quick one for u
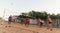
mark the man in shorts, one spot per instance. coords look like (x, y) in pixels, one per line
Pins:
(9, 20)
(49, 21)
(40, 22)
(27, 22)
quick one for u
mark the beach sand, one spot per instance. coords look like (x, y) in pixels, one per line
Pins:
(20, 28)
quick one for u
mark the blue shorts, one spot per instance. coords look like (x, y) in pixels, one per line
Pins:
(10, 20)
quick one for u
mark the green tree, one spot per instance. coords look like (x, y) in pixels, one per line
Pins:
(42, 15)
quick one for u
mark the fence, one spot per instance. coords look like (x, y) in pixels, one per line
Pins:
(55, 22)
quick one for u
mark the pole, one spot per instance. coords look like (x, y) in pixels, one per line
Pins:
(57, 23)
(3, 17)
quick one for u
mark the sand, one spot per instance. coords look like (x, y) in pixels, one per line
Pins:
(20, 28)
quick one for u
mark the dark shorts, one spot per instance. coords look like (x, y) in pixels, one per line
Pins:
(10, 20)
(41, 23)
(27, 23)
(50, 22)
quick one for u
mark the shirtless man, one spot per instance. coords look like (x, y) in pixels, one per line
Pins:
(26, 20)
(49, 21)
(40, 22)
(9, 20)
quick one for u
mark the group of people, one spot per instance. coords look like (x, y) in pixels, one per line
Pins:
(40, 22)
(25, 21)
(49, 23)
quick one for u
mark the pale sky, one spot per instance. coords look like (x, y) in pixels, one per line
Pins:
(15, 7)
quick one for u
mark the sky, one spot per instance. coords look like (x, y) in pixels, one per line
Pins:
(16, 7)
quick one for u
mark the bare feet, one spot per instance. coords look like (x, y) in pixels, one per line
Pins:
(51, 29)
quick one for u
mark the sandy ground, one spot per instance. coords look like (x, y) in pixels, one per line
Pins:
(18, 28)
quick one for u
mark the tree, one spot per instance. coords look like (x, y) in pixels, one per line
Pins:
(58, 16)
(53, 16)
(42, 15)
(38, 14)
